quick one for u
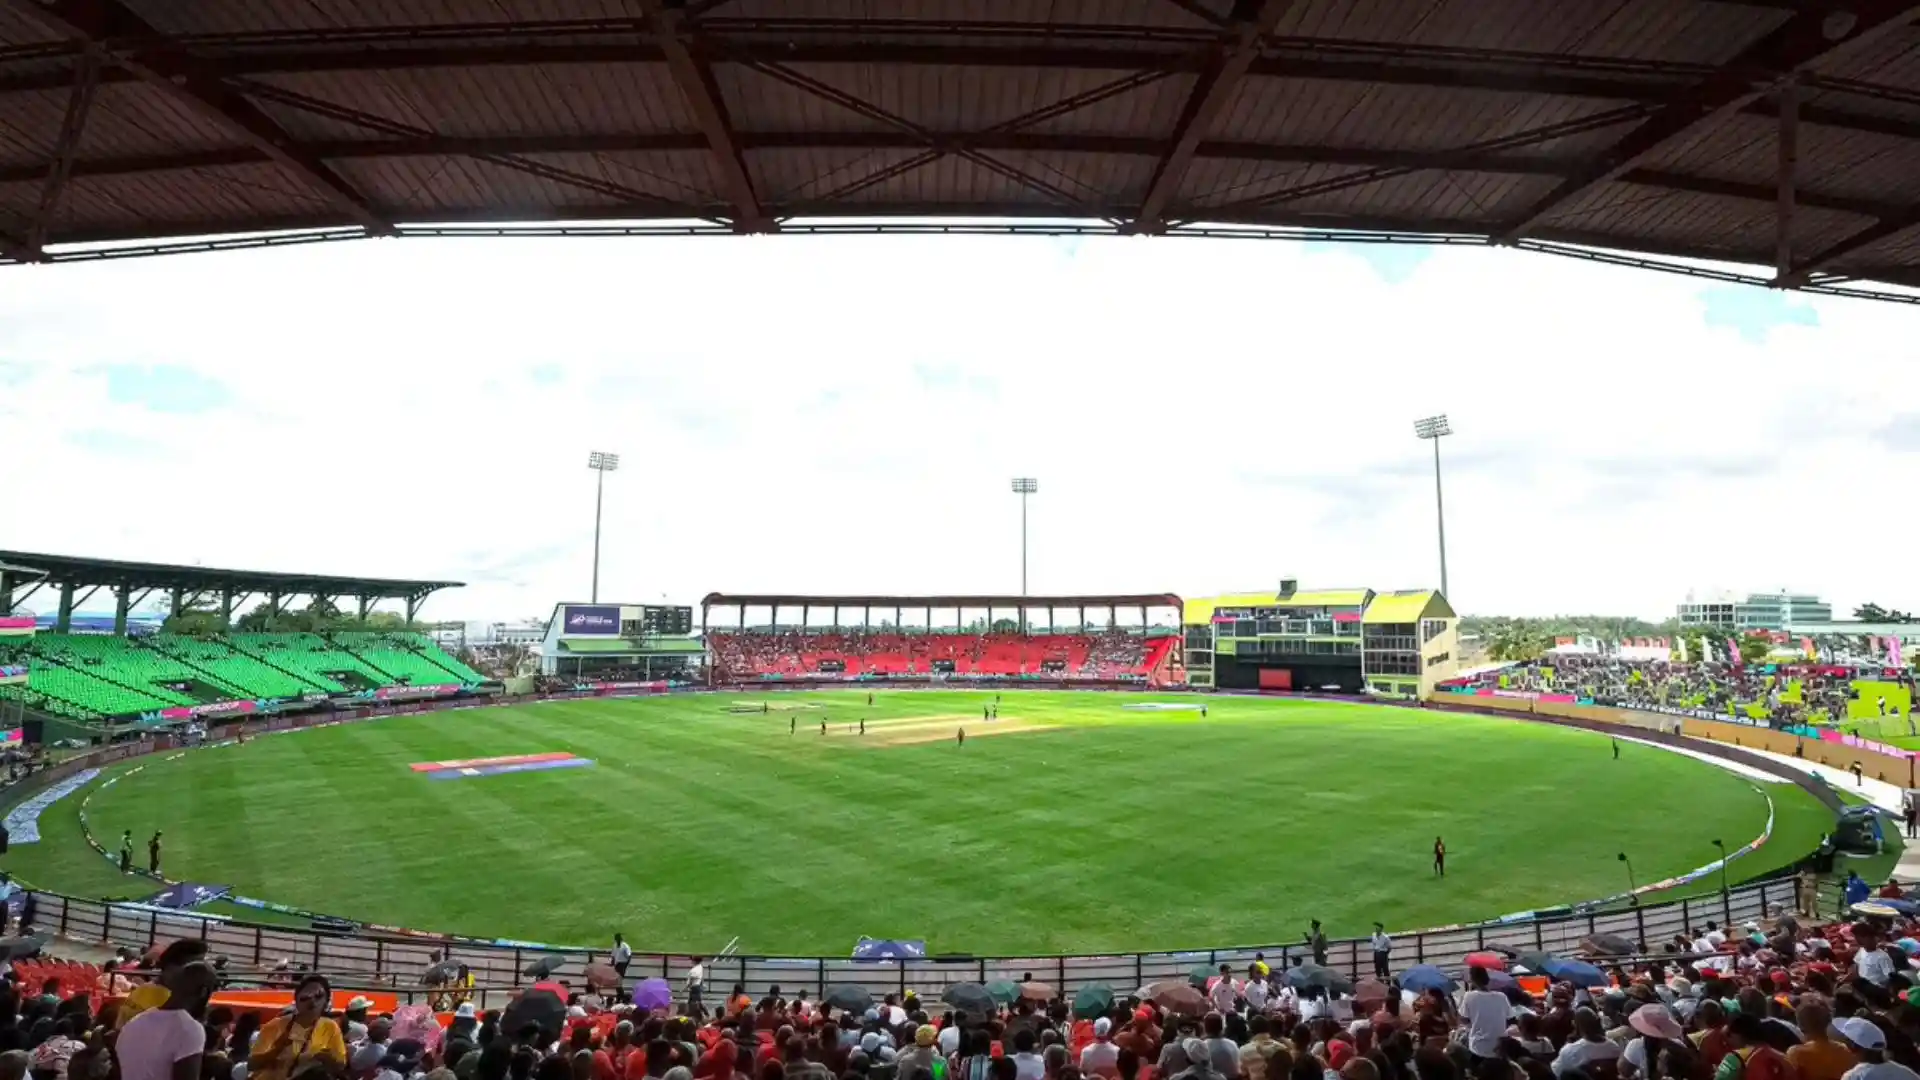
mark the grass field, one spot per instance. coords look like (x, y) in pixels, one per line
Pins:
(1099, 828)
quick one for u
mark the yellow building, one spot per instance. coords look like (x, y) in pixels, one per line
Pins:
(1396, 644)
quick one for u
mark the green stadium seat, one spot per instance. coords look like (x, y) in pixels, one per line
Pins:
(223, 663)
(410, 658)
(311, 657)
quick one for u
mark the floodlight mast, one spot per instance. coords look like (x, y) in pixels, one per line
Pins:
(601, 464)
(1023, 486)
(1433, 429)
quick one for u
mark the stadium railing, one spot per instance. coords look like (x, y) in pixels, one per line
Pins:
(392, 960)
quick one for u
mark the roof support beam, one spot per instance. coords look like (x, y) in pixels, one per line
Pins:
(181, 76)
(1887, 227)
(1788, 167)
(696, 83)
(1252, 20)
(60, 164)
(1815, 33)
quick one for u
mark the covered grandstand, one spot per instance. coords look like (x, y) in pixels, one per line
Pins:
(1398, 644)
(89, 671)
(1769, 133)
(1129, 638)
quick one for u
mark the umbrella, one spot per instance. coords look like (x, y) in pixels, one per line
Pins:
(1577, 972)
(1488, 959)
(1175, 996)
(972, 997)
(1092, 1000)
(1323, 977)
(849, 998)
(653, 994)
(1503, 983)
(24, 947)
(1908, 945)
(1876, 907)
(536, 1006)
(440, 974)
(1201, 974)
(1004, 991)
(1511, 952)
(1902, 905)
(1038, 991)
(603, 976)
(543, 967)
(1537, 961)
(1369, 990)
(1422, 978)
(1608, 945)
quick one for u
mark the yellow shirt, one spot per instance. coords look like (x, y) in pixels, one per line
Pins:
(324, 1042)
(1821, 1059)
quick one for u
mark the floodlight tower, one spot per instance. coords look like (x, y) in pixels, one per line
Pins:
(601, 464)
(1024, 486)
(1433, 429)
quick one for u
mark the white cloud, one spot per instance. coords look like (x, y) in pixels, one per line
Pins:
(821, 414)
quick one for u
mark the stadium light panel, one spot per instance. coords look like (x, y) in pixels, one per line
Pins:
(1432, 427)
(603, 462)
(1025, 485)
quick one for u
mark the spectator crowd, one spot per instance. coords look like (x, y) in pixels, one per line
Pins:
(1765, 1001)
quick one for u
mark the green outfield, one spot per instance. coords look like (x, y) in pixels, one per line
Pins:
(1068, 824)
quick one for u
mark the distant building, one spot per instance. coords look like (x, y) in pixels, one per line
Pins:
(1397, 644)
(1757, 611)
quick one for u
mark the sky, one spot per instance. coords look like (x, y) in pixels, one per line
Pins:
(844, 414)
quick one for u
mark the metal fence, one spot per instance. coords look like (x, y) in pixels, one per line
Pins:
(388, 961)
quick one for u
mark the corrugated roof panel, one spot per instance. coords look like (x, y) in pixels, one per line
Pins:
(512, 100)
(20, 28)
(1036, 12)
(1101, 181)
(1151, 109)
(1374, 116)
(1448, 196)
(760, 102)
(1832, 161)
(126, 203)
(1890, 59)
(233, 16)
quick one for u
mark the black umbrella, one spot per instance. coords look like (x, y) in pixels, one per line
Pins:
(1536, 962)
(1323, 977)
(849, 998)
(440, 974)
(972, 997)
(24, 947)
(1608, 945)
(542, 1007)
(543, 967)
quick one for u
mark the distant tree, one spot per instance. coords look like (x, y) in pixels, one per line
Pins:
(1874, 613)
(1005, 626)
(1754, 648)
(194, 617)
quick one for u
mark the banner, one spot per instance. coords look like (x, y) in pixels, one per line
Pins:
(1733, 651)
(1894, 659)
(14, 626)
(12, 673)
(580, 619)
(186, 894)
(195, 712)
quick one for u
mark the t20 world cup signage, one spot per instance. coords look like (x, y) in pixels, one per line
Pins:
(580, 619)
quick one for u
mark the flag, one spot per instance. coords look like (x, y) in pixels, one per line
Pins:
(16, 626)
(1806, 646)
(1894, 658)
(1681, 644)
(1733, 651)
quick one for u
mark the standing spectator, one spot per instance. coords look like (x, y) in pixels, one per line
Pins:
(1317, 942)
(622, 955)
(1819, 1057)
(1382, 952)
(167, 1042)
(1101, 1057)
(1870, 1043)
(1486, 1012)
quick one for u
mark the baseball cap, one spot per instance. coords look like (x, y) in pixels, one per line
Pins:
(1864, 1034)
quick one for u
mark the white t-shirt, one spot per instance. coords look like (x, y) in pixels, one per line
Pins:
(696, 975)
(1222, 994)
(1578, 1053)
(1382, 943)
(1876, 967)
(1029, 1067)
(154, 1040)
(1715, 939)
(1487, 1013)
(1884, 1070)
(1256, 994)
(950, 1040)
(622, 953)
(1100, 1056)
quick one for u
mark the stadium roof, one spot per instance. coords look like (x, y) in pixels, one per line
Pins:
(1201, 609)
(1408, 607)
(959, 601)
(86, 573)
(1777, 133)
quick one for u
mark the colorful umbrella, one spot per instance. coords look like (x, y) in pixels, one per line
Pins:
(1175, 996)
(602, 977)
(1004, 991)
(1422, 978)
(653, 994)
(1369, 990)
(1092, 1000)
(1577, 972)
(1488, 959)
(1038, 991)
